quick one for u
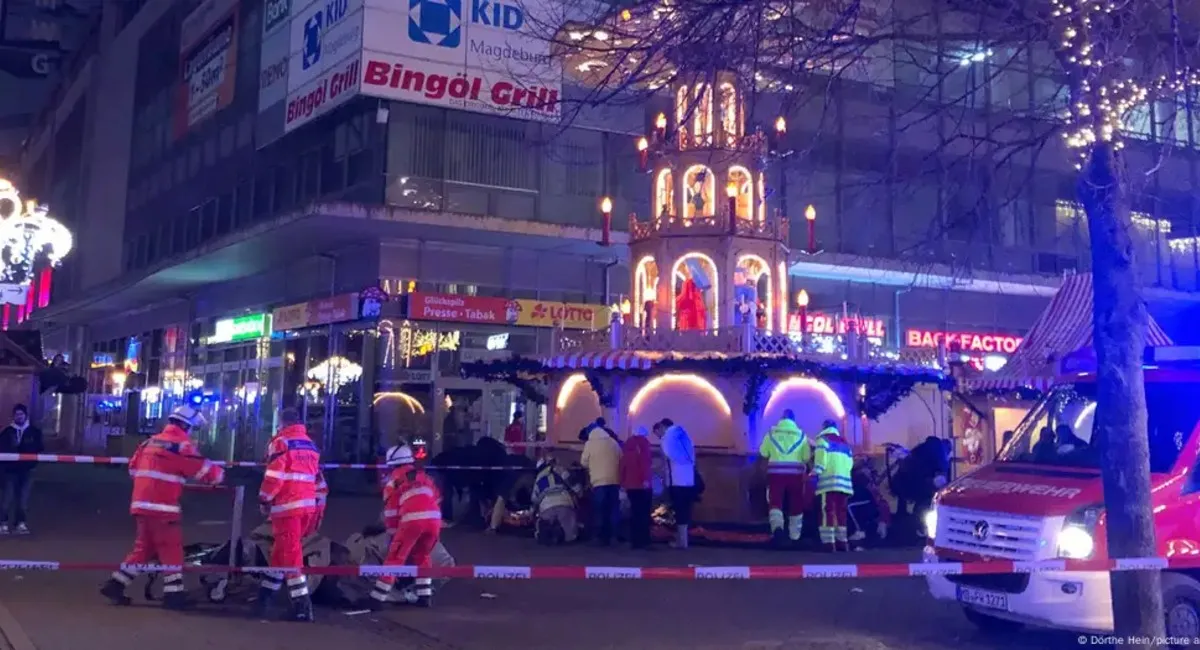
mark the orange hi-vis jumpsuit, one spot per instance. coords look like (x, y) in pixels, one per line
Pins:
(289, 488)
(412, 512)
(321, 495)
(160, 468)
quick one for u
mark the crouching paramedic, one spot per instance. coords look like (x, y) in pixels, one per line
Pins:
(288, 496)
(788, 453)
(413, 515)
(834, 466)
(160, 467)
(554, 504)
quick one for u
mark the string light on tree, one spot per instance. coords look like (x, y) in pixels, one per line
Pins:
(29, 239)
(1104, 89)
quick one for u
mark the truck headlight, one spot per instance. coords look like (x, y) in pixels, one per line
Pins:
(1075, 543)
(930, 521)
(1077, 539)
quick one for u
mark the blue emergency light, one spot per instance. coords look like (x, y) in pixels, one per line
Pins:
(198, 398)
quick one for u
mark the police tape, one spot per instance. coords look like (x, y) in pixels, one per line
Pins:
(761, 572)
(121, 460)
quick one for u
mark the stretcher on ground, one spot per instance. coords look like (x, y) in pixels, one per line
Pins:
(368, 547)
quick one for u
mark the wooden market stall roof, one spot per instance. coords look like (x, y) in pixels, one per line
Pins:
(1064, 327)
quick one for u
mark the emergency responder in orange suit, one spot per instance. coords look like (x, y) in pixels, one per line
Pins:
(412, 512)
(289, 496)
(160, 467)
(322, 496)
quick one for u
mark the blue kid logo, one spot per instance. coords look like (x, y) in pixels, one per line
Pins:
(435, 22)
(312, 41)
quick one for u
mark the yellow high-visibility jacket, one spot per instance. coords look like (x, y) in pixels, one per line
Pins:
(833, 463)
(786, 449)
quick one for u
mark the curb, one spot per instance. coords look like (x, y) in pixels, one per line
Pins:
(12, 635)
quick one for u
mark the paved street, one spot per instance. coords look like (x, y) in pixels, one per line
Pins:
(86, 522)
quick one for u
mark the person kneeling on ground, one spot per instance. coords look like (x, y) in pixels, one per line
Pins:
(554, 505)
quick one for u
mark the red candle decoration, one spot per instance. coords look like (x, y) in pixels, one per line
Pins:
(731, 194)
(810, 215)
(643, 148)
(660, 128)
(606, 207)
(802, 302)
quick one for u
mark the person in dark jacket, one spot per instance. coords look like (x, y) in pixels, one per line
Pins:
(20, 437)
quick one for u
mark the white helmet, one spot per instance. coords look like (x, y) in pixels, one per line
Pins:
(188, 416)
(399, 455)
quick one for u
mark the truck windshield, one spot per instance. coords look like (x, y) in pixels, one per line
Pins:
(1058, 430)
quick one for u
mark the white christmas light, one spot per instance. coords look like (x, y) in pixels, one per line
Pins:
(28, 236)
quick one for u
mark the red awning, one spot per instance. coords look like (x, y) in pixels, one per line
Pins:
(608, 360)
(1064, 327)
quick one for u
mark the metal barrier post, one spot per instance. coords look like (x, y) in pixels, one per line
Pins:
(235, 533)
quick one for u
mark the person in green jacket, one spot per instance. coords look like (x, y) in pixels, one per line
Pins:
(833, 464)
(788, 456)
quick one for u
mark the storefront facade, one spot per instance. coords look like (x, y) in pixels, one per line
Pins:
(368, 354)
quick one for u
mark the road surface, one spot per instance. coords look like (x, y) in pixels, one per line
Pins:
(86, 521)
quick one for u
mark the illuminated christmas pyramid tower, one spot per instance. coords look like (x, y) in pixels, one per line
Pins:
(712, 255)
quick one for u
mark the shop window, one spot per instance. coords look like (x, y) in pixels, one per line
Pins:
(228, 137)
(245, 134)
(261, 196)
(310, 175)
(333, 172)
(152, 247)
(1171, 121)
(359, 167)
(1138, 122)
(475, 142)
(224, 213)
(195, 160)
(208, 221)
(192, 228)
(210, 149)
(284, 188)
(243, 204)
(179, 233)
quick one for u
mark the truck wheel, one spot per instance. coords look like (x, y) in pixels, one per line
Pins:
(991, 624)
(1181, 605)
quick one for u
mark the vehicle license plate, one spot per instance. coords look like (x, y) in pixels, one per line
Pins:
(981, 598)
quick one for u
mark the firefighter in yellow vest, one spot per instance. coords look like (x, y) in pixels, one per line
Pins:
(788, 455)
(833, 464)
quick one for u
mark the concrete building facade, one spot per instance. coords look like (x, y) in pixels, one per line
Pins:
(201, 209)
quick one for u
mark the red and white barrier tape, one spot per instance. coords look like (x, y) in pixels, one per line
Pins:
(782, 572)
(121, 460)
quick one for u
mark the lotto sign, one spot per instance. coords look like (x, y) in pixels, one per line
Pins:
(208, 55)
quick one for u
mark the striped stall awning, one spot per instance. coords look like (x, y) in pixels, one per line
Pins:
(1064, 327)
(607, 360)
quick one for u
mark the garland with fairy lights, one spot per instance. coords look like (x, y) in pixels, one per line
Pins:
(604, 395)
(884, 385)
(526, 375)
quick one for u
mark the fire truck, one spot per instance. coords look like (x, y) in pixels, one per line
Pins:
(1041, 499)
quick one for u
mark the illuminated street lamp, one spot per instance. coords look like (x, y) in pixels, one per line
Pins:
(29, 238)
